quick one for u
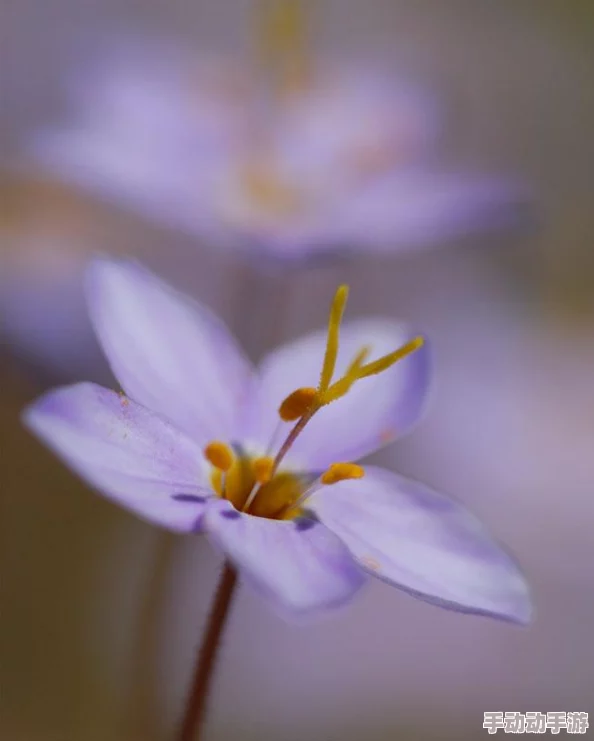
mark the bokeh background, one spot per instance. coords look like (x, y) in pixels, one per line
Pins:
(100, 613)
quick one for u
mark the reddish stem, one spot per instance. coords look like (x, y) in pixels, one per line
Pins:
(203, 673)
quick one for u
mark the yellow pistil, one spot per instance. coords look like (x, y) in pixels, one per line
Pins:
(336, 312)
(357, 369)
(343, 385)
(255, 485)
(342, 472)
(219, 455)
(377, 366)
(357, 362)
(327, 391)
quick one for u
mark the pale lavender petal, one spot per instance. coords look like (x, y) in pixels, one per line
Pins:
(424, 543)
(299, 565)
(126, 452)
(415, 209)
(352, 114)
(377, 410)
(169, 354)
(152, 130)
(159, 186)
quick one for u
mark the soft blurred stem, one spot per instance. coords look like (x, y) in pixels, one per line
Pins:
(207, 657)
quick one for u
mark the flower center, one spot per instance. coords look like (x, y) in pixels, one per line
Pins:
(277, 496)
(257, 197)
(259, 485)
(267, 193)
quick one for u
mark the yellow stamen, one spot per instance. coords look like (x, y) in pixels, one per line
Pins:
(239, 482)
(276, 497)
(219, 455)
(262, 468)
(336, 312)
(297, 404)
(342, 472)
(382, 364)
(216, 480)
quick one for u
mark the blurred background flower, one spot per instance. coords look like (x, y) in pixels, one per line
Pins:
(279, 152)
(46, 231)
(510, 431)
(274, 155)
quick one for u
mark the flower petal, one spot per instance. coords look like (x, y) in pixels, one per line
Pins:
(297, 564)
(169, 354)
(138, 137)
(425, 543)
(414, 209)
(373, 413)
(356, 120)
(128, 453)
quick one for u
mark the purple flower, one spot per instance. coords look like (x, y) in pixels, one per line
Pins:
(261, 459)
(46, 242)
(343, 162)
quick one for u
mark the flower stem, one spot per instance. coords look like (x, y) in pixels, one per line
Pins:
(207, 656)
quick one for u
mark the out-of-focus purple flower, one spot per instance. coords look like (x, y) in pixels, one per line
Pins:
(196, 445)
(45, 237)
(343, 162)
